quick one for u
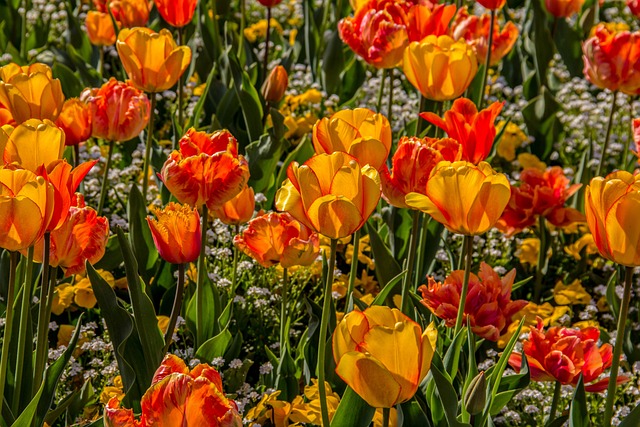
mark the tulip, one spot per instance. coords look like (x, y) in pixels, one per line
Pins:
(426, 19)
(612, 60)
(439, 67)
(100, 28)
(32, 144)
(474, 130)
(563, 8)
(153, 61)
(412, 164)
(361, 133)
(275, 85)
(25, 208)
(330, 193)
(488, 308)
(269, 3)
(30, 92)
(206, 170)
(563, 354)
(130, 13)
(75, 121)
(176, 233)
(119, 111)
(492, 4)
(361, 348)
(277, 238)
(239, 209)
(634, 7)
(177, 13)
(465, 198)
(179, 396)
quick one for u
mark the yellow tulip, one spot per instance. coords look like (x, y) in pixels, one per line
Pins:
(439, 67)
(382, 354)
(330, 193)
(612, 205)
(465, 198)
(32, 144)
(153, 61)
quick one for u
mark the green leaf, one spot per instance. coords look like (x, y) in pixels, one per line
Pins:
(286, 379)
(413, 414)
(578, 412)
(387, 266)
(510, 386)
(569, 43)
(452, 356)
(333, 64)
(112, 258)
(247, 97)
(214, 347)
(612, 298)
(71, 84)
(540, 117)
(386, 292)
(263, 157)
(445, 394)
(633, 419)
(144, 249)
(197, 111)
(353, 411)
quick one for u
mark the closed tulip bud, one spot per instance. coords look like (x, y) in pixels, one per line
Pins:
(330, 193)
(275, 85)
(25, 208)
(177, 13)
(119, 111)
(611, 205)
(360, 132)
(362, 344)
(239, 209)
(465, 198)
(563, 8)
(439, 67)
(32, 144)
(476, 395)
(176, 233)
(100, 28)
(75, 121)
(153, 61)
(131, 13)
(30, 92)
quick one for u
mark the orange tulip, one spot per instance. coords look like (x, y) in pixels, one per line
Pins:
(488, 309)
(563, 354)
(492, 4)
(32, 144)
(25, 208)
(635, 125)
(119, 111)
(540, 193)
(177, 13)
(439, 67)
(275, 85)
(30, 92)
(563, 8)
(82, 237)
(362, 348)
(75, 121)
(269, 3)
(277, 238)
(131, 13)
(474, 130)
(361, 133)
(100, 28)
(611, 205)
(239, 209)
(465, 198)
(475, 30)
(426, 19)
(153, 61)
(330, 193)
(634, 7)
(206, 170)
(176, 233)
(412, 164)
(612, 59)
(179, 397)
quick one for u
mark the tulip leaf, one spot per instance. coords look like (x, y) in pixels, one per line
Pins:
(112, 258)
(569, 43)
(445, 395)
(612, 298)
(71, 85)
(211, 311)
(198, 109)
(353, 411)
(214, 347)
(333, 64)
(521, 283)
(389, 288)
(578, 412)
(633, 419)
(452, 356)
(247, 97)
(433, 236)
(386, 265)
(263, 157)
(412, 414)
(286, 379)
(35, 412)
(510, 386)
(146, 254)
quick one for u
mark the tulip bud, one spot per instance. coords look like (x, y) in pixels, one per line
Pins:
(275, 85)
(475, 397)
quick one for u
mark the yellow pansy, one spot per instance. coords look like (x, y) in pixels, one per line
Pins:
(571, 294)
(512, 138)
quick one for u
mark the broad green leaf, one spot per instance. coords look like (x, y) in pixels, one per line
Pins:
(387, 266)
(446, 394)
(353, 411)
(578, 412)
(286, 379)
(214, 347)
(388, 290)
(142, 244)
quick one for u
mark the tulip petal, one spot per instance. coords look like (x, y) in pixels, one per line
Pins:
(334, 216)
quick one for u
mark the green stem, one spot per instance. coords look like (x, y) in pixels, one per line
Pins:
(101, 63)
(76, 155)
(147, 150)
(234, 274)
(105, 178)
(465, 284)
(180, 84)
(390, 99)
(487, 62)
(413, 244)
(354, 271)
(22, 334)
(23, 32)
(385, 417)
(8, 326)
(202, 270)
(324, 325)
(243, 24)
(422, 123)
(542, 260)
(556, 400)
(283, 312)
(617, 350)
(421, 251)
(607, 136)
(42, 343)
(265, 65)
(175, 310)
(380, 92)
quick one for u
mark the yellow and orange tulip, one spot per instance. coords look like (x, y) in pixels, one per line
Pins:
(32, 144)
(131, 13)
(176, 233)
(275, 85)
(100, 28)
(75, 121)
(239, 209)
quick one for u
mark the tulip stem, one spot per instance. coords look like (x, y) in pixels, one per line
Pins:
(101, 63)
(76, 155)
(465, 284)
(380, 92)
(266, 46)
(420, 126)
(175, 310)
(607, 136)
(390, 99)
(354, 271)
(23, 35)
(42, 342)
(385, 417)
(421, 250)
(324, 325)
(554, 403)
(487, 62)
(542, 260)
(27, 292)
(283, 312)
(413, 244)
(617, 350)
(180, 84)
(234, 274)
(200, 287)
(8, 326)
(105, 178)
(147, 150)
